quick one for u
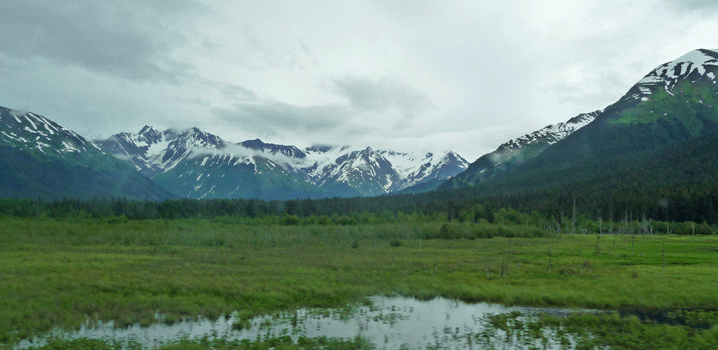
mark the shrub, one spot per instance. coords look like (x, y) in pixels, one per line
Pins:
(290, 220)
(443, 232)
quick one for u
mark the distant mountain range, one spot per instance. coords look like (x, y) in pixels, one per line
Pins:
(668, 114)
(195, 164)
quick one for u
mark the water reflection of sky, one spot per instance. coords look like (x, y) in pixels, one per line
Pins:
(390, 323)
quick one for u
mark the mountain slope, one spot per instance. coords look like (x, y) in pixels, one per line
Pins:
(673, 103)
(226, 175)
(40, 158)
(517, 151)
(672, 106)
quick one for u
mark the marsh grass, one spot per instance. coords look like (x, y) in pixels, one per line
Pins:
(63, 273)
(276, 343)
(610, 330)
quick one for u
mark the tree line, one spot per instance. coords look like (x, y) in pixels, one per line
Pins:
(579, 204)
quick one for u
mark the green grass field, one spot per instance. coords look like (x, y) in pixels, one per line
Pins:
(61, 273)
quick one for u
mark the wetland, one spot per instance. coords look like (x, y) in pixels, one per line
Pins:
(66, 275)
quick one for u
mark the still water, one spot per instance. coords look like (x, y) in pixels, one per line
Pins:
(388, 323)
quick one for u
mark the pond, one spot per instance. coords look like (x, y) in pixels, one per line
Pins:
(387, 322)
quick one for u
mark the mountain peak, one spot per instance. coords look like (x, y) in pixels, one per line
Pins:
(146, 129)
(194, 138)
(319, 148)
(695, 65)
(30, 130)
(450, 155)
(672, 107)
(149, 135)
(694, 62)
(253, 144)
(700, 56)
(259, 145)
(44, 159)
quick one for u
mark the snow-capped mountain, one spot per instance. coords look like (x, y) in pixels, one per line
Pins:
(692, 75)
(696, 65)
(549, 134)
(679, 95)
(40, 158)
(669, 110)
(196, 164)
(373, 172)
(517, 151)
(350, 171)
(419, 167)
(32, 131)
(152, 151)
(270, 148)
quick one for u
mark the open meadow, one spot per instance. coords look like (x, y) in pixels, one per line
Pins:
(62, 273)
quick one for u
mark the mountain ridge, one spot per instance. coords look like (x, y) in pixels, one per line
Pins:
(672, 105)
(314, 172)
(42, 159)
(517, 151)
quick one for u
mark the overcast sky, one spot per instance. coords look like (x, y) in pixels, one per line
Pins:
(392, 74)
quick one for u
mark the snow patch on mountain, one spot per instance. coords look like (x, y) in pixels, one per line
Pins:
(390, 170)
(694, 65)
(33, 131)
(517, 151)
(551, 133)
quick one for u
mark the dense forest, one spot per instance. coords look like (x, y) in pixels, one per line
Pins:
(581, 205)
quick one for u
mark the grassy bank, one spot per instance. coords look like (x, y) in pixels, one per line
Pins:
(62, 273)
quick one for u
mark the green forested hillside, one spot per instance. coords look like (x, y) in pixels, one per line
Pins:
(652, 154)
(24, 175)
(41, 159)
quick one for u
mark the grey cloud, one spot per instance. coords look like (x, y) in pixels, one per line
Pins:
(260, 56)
(695, 4)
(230, 91)
(304, 47)
(132, 39)
(366, 95)
(408, 9)
(239, 151)
(269, 118)
(363, 94)
(238, 93)
(290, 124)
(198, 101)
